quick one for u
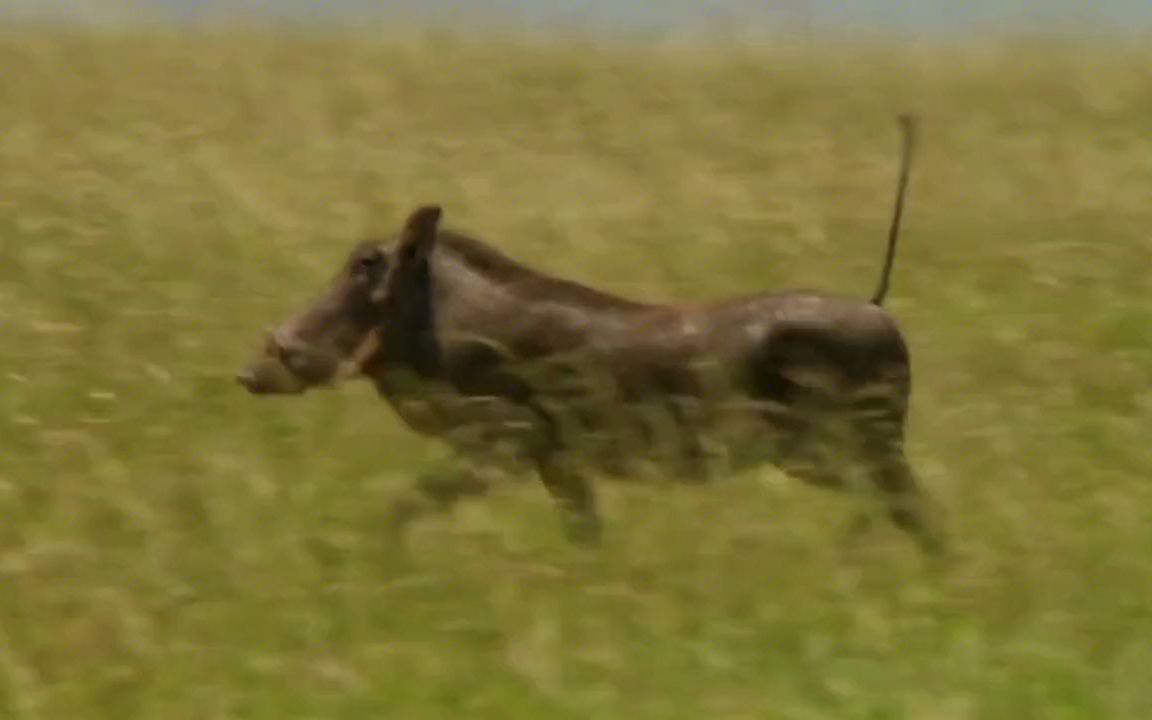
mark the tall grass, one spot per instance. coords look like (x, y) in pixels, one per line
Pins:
(173, 548)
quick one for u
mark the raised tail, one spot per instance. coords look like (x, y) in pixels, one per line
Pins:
(908, 146)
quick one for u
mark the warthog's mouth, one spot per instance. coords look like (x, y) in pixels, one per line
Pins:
(274, 376)
(268, 377)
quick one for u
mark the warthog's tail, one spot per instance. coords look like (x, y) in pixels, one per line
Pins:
(908, 145)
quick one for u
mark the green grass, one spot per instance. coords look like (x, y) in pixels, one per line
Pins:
(171, 547)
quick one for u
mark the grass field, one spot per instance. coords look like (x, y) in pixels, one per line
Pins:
(171, 547)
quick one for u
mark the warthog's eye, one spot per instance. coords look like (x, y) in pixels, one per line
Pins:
(367, 263)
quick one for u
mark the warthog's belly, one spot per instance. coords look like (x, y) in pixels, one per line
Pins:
(619, 429)
(676, 439)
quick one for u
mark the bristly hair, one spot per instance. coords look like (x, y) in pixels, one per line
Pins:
(502, 269)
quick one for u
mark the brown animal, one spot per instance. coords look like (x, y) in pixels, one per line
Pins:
(520, 370)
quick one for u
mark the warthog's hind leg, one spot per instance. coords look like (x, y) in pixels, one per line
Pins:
(907, 505)
(890, 475)
(870, 459)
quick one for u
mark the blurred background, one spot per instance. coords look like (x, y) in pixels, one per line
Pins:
(927, 16)
(176, 176)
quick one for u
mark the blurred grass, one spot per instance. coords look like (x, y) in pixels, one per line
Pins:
(171, 547)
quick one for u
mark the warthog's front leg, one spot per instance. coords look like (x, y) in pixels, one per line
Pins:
(436, 491)
(575, 499)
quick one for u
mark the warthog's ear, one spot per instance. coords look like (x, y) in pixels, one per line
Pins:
(417, 239)
(419, 233)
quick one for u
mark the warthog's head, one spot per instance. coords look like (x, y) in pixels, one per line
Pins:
(333, 336)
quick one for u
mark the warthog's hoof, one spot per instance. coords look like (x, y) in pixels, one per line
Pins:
(584, 531)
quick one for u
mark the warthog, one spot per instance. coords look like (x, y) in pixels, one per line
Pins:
(518, 369)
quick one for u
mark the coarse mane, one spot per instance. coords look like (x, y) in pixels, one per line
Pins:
(503, 270)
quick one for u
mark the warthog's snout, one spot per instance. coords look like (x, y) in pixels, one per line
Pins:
(250, 382)
(276, 371)
(268, 377)
(258, 383)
